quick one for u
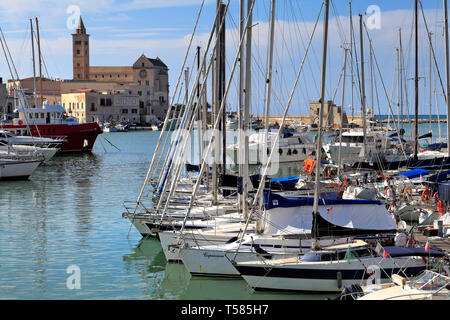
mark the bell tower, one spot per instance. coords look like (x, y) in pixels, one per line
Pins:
(80, 44)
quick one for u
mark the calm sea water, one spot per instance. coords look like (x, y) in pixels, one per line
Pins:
(69, 214)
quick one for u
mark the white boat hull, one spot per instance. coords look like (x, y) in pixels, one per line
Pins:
(324, 276)
(16, 169)
(215, 261)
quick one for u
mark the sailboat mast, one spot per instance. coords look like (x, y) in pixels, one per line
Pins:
(221, 80)
(351, 56)
(214, 112)
(447, 68)
(248, 99)
(315, 243)
(199, 110)
(34, 63)
(430, 82)
(363, 85)
(400, 52)
(416, 80)
(241, 195)
(342, 113)
(268, 90)
(399, 88)
(40, 63)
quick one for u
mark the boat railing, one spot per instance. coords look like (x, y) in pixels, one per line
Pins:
(428, 295)
(58, 138)
(133, 207)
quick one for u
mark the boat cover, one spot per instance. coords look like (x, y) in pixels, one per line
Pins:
(336, 216)
(406, 252)
(415, 173)
(443, 176)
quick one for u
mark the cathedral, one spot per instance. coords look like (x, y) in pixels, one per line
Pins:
(147, 78)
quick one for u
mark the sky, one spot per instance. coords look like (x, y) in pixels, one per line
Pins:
(121, 30)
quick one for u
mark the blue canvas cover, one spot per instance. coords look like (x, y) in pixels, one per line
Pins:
(415, 173)
(409, 252)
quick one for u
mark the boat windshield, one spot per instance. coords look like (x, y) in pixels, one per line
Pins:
(336, 255)
(431, 281)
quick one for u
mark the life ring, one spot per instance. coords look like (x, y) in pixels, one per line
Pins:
(387, 190)
(436, 197)
(407, 190)
(20, 122)
(407, 193)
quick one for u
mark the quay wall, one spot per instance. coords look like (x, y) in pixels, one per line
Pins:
(307, 119)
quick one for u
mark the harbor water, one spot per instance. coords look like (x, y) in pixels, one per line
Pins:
(68, 216)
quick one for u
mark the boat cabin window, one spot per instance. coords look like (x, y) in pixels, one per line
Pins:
(339, 255)
(310, 257)
(42, 116)
(316, 257)
(366, 252)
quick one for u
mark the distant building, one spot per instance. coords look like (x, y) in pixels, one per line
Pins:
(331, 114)
(92, 106)
(51, 90)
(147, 78)
(6, 102)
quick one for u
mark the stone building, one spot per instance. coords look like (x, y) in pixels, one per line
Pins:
(331, 114)
(7, 102)
(147, 78)
(92, 106)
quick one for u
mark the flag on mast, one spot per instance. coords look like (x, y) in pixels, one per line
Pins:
(381, 251)
(427, 246)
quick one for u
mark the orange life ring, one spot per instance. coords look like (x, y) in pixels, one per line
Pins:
(436, 196)
(386, 190)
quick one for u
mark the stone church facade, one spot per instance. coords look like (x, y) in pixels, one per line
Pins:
(147, 78)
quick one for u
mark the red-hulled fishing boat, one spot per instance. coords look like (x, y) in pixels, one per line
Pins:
(51, 122)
